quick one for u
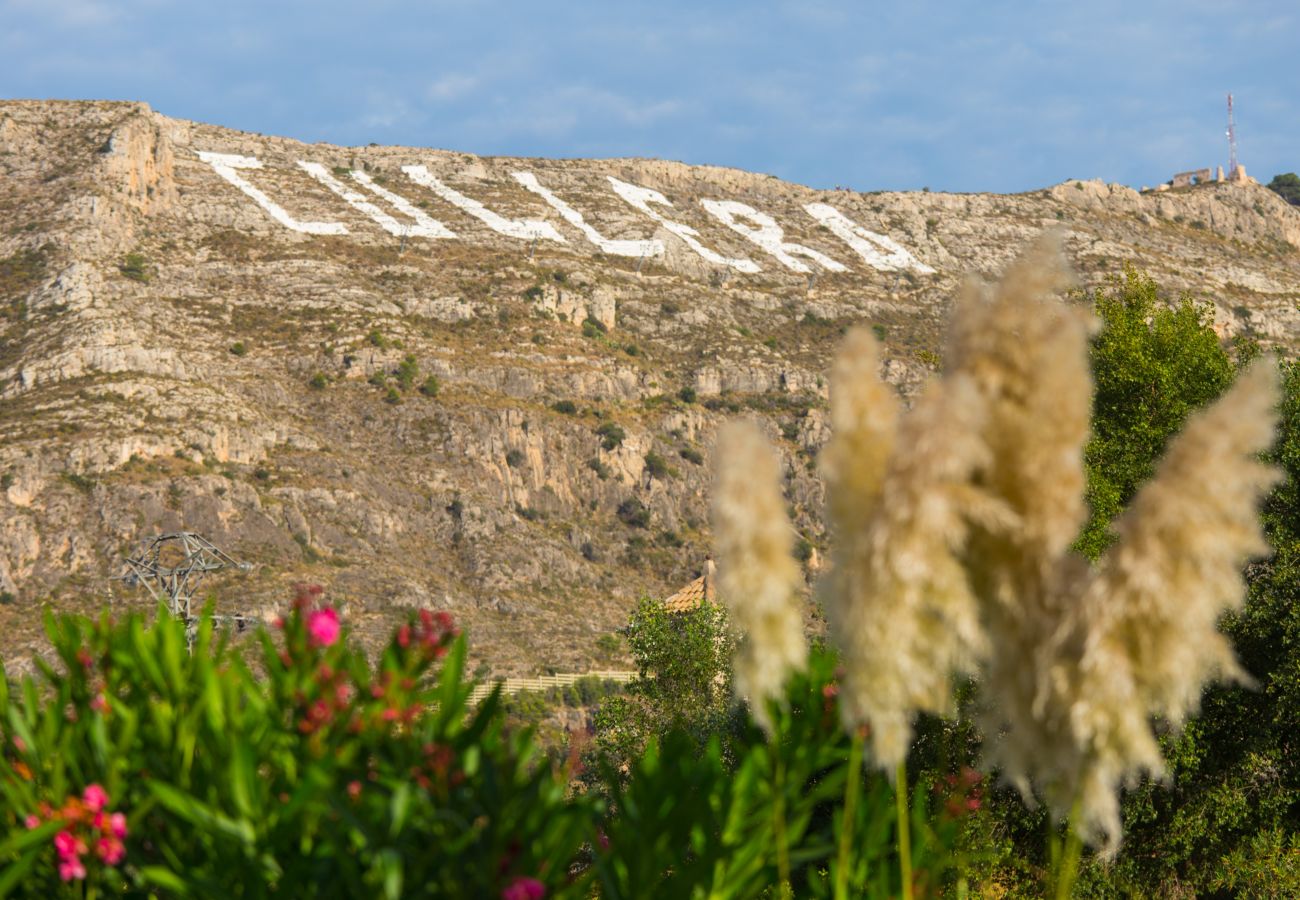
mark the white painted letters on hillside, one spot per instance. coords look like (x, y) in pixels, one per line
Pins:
(573, 217)
(768, 235)
(524, 229)
(641, 198)
(225, 164)
(877, 250)
(423, 227)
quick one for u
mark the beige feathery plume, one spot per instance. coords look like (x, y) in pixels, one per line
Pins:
(1027, 354)
(897, 598)
(864, 418)
(1150, 614)
(758, 578)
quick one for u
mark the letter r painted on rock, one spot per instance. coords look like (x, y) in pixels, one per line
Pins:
(225, 164)
(640, 198)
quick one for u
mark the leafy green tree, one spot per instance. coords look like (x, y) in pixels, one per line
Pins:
(683, 661)
(1229, 820)
(1153, 365)
(1287, 187)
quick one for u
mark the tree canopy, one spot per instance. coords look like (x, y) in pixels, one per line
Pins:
(1287, 186)
(1153, 364)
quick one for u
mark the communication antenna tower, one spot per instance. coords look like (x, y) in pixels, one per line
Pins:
(171, 566)
(1232, 140)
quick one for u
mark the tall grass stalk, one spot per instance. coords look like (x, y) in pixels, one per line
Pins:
(1068, 871)
(782, 838)
(904, 830)
(852, 784)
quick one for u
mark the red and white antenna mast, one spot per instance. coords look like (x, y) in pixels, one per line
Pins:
(1232, 140)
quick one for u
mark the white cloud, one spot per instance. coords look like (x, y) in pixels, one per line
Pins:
(452, 86)
(70, 13)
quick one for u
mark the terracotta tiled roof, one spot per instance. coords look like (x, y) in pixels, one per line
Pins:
(695, 593)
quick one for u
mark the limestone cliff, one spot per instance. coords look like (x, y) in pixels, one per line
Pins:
(180, 354)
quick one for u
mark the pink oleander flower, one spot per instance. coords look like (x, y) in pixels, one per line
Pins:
(71, 867)
(67, 845)
(323, 626)
(117, 825)
(32, 821)
(95, 798)
(110, 850)
(524, 889)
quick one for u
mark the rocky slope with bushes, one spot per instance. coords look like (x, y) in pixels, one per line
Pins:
(514, 423)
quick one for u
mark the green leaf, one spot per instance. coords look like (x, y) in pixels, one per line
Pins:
(165, 878)
(390, 861)
(398, 808)
(196, 812)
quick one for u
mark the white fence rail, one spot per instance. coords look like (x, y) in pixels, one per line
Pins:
(542, 682)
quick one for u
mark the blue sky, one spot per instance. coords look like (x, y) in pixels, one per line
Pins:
(989, 96)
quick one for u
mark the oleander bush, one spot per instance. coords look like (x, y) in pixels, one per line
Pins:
(297, 769)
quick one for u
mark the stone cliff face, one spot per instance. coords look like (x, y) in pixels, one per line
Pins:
(425, 378)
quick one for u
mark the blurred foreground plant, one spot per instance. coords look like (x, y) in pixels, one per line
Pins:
(953, 528)
(326, 777)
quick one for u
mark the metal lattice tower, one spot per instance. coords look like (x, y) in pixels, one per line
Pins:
(1232, 140)
(171, 567)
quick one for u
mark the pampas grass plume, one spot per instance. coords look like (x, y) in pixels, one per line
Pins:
(758, 578)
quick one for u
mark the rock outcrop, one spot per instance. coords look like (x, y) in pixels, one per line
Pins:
(422, 377)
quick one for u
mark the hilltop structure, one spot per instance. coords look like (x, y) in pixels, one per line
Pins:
(1236, 171)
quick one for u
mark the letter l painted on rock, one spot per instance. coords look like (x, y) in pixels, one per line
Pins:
(225, 164)
(524, 229)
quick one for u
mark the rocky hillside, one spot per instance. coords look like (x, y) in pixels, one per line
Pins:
(426, 378)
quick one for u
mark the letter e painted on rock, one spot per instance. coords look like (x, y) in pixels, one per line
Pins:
(574, 218)
(876, 250)
(767, 235)
(524, 229)
(225, 164)
(641, 198)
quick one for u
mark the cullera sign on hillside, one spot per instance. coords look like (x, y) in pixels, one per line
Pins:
(876, 250)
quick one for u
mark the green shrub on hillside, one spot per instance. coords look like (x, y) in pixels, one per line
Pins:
(135, 266)
(611, 435)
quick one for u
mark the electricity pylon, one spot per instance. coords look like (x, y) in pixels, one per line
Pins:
(171, 566)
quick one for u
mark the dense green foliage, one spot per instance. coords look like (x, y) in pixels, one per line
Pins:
(1287, 186)
(327, 776)
(1152, 366)
(763, 812)
(1228, 820)
(325, 771)
(1231, 820)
